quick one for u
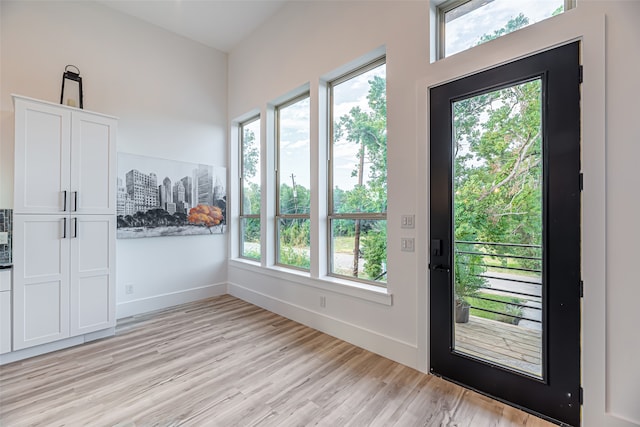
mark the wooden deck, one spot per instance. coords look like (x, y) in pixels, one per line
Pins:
(507, 345)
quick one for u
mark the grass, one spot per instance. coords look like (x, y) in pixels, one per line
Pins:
(343, 244)
(504, 306)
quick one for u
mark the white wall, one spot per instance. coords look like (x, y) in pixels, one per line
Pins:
(306, 40)
(623, 210)
(170, 96)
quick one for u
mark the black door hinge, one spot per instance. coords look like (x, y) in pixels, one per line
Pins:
(581, 289)
(581, 178)
(581, 396)
(580, 74)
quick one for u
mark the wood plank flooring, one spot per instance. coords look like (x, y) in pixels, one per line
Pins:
(225, 362)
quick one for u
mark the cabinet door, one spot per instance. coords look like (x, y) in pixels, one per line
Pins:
(93, 164)
(40, 279)
(92, 273)
(42, 135)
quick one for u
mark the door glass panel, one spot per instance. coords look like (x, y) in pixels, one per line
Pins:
(498, 205)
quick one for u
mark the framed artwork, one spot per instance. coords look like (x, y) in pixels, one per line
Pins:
(159, 197)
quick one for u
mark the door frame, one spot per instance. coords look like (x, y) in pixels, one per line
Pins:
(589, 27)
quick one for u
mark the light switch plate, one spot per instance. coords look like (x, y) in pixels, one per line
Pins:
(407, 221)
(4, 237)
(407, 244)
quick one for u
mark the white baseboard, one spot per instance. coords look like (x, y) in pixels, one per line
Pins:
(157, 302)
(26, 353)
(385, 346)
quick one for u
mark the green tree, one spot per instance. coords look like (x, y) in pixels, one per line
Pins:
(250, 154)
(367, 129)
(498, 171)
(294, 232)
(294, 200)
(250, 190)
(375, 251)
(513, 24)
(498, 175)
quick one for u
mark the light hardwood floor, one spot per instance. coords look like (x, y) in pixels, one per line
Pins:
(224, 362)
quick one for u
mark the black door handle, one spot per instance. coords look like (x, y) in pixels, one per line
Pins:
(440, 267)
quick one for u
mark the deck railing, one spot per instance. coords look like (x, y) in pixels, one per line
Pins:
(507, 269)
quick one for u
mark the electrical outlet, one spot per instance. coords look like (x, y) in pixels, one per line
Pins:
(128, 289)
(4, 238)
(407, 244)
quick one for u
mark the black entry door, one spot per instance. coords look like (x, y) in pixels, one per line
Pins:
(505, 233)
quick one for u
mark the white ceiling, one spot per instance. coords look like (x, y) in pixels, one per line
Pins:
(220, 24)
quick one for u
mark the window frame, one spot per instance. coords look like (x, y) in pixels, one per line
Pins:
(279, 215)
(242, 215)
(331, 214)
(447, 6)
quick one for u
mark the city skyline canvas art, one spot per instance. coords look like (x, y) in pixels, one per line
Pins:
(159, 197)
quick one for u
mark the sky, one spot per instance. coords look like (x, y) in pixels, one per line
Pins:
(464, 32)
(295, 143)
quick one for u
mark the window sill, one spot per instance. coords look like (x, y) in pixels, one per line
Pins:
(336, 285)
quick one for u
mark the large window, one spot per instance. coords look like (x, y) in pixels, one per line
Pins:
(358, 175)
(293, 183)
(250, 189)
(467, 23)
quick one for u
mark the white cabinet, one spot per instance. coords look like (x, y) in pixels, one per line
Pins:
(64, 222)
(5, 311)
(65, 159)
(64, 277)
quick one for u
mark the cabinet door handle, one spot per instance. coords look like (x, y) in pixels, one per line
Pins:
(75, 201)
(75, 228)
(64, 227)
(64, 203)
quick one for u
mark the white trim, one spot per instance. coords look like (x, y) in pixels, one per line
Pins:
(157, 302)
(351, 66)
(389, 347)
(53, 104)
(613, 420)
(354, 289)
(54, 346)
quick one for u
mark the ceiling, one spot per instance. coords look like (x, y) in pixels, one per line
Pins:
(220, 24)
